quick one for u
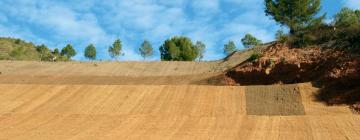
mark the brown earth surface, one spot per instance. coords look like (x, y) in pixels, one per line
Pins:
(272, 100)
(335, 71)
(117, 73)
(160, 100)
(162, 112)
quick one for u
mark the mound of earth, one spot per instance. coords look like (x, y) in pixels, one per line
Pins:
(335, 71)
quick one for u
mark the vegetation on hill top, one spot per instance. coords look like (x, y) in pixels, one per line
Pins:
(294, 14)
(90, 52)
(308, 30)
(250, 41)
(115, 49)
(300, 17)
(17, 49)
(178, 49)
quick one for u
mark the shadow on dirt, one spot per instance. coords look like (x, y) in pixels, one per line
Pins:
(345, 90)
(338, 77)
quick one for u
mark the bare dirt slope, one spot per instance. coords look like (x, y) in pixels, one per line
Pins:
(131, 69)
(116, 73)
(159, 100)
(161, 112)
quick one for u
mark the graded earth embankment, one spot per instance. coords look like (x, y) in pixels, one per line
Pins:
(159, 100)
(33, 111)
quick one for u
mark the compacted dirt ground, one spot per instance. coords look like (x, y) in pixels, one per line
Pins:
(167, 112)
(159, 100)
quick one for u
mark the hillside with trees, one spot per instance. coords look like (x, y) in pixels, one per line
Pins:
(302, 85)
(17, 49)
(325, 54)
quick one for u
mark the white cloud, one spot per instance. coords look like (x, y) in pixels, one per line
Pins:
(63, 24)
(100, 22)
(206, 7)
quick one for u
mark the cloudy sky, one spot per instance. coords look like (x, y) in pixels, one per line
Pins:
(81, 22)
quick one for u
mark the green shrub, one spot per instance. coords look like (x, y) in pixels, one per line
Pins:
(178, 49)
(17, 41)
(302, 40)
(17, 52)
(281, 37)
(250, 41)
(255, 56)
(347, 17)
(349, 38)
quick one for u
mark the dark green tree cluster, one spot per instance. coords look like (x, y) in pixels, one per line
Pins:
(46, 54)
(347, 17)
(347, 29)
(295, 14)
(250, 41)
(178, 49)
(307, 29)
(90, 52)
(68, 51)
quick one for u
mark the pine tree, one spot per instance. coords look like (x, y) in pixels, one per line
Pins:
(146, 49)
(115, 49)
(178, 49)
(296, 14)
(68, 51)
(250, 41)
(229, 48)
(90, 52)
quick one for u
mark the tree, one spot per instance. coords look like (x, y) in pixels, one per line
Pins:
(296, 14)
(115, 49)
(42, 49)
(90, 52)
(56, 52)
(201, 49)
(250, 41)
(229, 48)
(68, 51)
(347, 17)
(178, 49)
(281, 36)
(44, 52)
(146, 50)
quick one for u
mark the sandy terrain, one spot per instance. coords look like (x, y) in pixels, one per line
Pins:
(116, 73)
(162, 112)
(158, 100)
(129, 69)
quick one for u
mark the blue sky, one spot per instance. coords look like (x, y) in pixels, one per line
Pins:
(81, 22)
